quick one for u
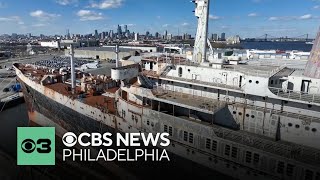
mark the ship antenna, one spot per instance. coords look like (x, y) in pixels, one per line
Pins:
(73, 79)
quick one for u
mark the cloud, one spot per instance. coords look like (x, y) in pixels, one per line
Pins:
(252, 15)
(165, 25)
(66, 2)
(306, 16)
(288, 18)
(43, 16)
(87, 15)
(185, 24)
(107, 4)
(39, 25)
(15, 19)
(316, 7)
(212, 17)
(129, 25)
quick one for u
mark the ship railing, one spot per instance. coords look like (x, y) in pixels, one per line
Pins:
(216, 84)
(295, 95)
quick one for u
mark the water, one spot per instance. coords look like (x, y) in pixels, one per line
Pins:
(287, 46)
(10, 119)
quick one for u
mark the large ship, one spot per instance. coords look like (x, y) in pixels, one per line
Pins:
(249, 121)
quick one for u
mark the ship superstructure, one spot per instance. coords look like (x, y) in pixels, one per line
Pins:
(248, 121)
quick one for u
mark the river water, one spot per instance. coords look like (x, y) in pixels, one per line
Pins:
(300, 46)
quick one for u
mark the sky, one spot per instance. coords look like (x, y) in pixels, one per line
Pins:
(247, 18)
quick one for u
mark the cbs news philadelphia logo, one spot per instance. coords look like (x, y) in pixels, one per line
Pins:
(36, 146)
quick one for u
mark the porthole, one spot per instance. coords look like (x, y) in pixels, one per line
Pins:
(257, 82)
(307, 128)
(314, 130)
(188, 70)
(264, 98)
(309, 106)
(250, 81)
(289, 124)
(252, 116)
(247, 115)
(240, 113)
(234, 112)
(297, 126)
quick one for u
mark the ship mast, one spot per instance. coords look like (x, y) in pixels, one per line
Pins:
(200, 45)
(73, 79)
(117, 55)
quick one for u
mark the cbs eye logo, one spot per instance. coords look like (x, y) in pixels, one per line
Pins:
(69, 139)
(42, 146)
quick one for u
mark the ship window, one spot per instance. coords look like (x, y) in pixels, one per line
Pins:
(257, 82)
(170, 131)
(190, 85)
(289, 124)
(205, 88)
(248, 156)
(252, 116)
(227, 150)
(307, 128)
(297, 125)
(234, 112)
(280, 167)
(165, 128)
(314, 130)
(240, 113)
(276, 81)
(132, 117)
(290, 169)
(309, 106)
(208, 143)
(185, 136)
(180, 72)
(308, 175)
(250, 81)
(188, 70)
(256, 158)
(234, 152)
(148, 123)
(214, 145)
(271, 82)
(136, 118)
(247, 115)
(190, 137)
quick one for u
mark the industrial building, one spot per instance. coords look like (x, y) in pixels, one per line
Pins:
(103, 53)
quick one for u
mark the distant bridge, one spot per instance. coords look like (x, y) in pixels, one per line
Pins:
(268, 38)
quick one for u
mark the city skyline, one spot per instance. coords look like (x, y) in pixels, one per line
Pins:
(247, 18)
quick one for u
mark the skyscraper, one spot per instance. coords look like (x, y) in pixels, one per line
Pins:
(223, 36)
(214, 37)
(96, 35)
(165, 34)
(119, 32)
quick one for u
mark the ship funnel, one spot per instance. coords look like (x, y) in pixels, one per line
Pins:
(200, 45)
(73, 79)
(313, 66)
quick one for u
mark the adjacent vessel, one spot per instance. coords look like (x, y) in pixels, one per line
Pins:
(249, 121)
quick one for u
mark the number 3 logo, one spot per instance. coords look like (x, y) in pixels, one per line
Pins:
(28, 145)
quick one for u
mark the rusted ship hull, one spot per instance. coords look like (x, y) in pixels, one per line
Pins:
(43, 111)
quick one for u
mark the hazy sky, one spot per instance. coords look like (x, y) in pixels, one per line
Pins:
(248, 18)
